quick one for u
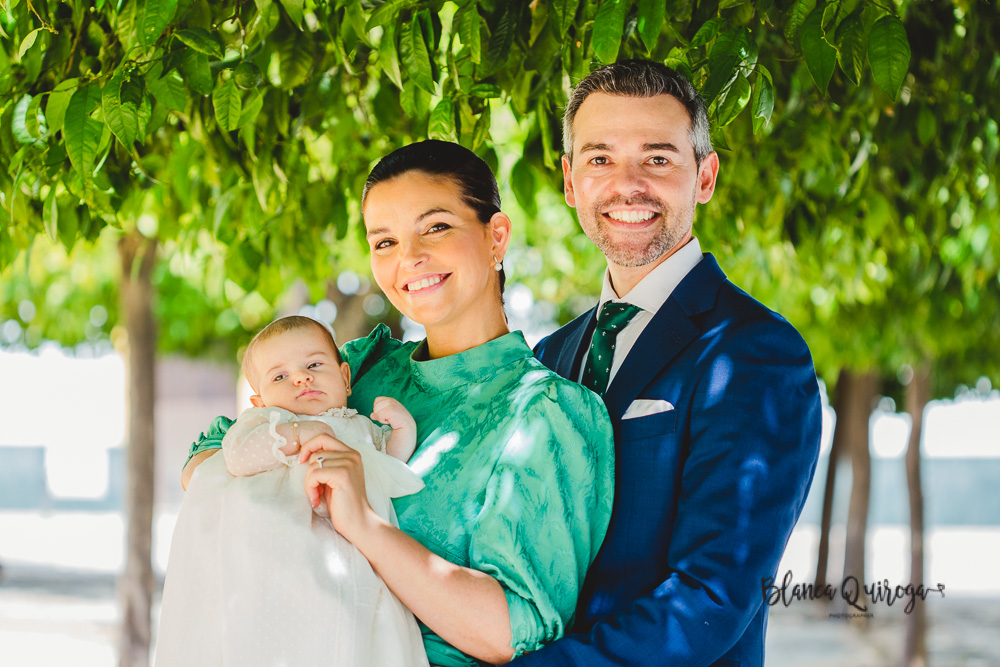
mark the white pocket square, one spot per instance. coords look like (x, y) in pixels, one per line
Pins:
(642, 407)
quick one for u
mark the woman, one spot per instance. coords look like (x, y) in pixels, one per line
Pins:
(516, 462)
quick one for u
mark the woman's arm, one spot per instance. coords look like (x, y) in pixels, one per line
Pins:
(193, 463)
(467, 608)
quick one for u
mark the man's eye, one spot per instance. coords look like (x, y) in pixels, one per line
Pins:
(600, 159)
(659, 160)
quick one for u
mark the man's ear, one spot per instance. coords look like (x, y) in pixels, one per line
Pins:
(345, 370)
(257, 401)
(568, 182)
(707, 174)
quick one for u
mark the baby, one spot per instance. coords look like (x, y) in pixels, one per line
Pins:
(256, 576)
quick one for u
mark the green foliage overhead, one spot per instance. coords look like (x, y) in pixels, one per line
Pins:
(239, 135)
(258, 121)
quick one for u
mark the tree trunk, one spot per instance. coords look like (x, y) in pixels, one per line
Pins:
(861, 391)
(836, 447)
(917, 395)
(138, 256)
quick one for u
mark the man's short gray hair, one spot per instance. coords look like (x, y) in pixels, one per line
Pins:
(641, 78)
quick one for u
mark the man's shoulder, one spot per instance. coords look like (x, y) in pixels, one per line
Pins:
(548, 348)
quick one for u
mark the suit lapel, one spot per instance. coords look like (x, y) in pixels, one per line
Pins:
(577, 341)
(669, 332)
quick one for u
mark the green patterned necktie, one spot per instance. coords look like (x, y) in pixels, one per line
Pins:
(610, 321)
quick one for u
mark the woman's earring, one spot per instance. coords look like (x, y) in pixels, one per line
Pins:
(497, 265)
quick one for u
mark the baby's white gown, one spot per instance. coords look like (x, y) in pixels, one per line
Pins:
(257, 578)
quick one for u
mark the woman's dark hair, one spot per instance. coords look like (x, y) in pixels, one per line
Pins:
(458, 164)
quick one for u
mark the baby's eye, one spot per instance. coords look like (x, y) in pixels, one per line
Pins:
(279, 377)
(316, 364)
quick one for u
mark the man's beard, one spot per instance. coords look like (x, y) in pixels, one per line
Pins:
(673, 225)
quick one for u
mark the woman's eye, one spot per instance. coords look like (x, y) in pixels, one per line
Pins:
(438, 227)
(384, 243)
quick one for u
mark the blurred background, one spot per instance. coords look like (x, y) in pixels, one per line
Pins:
(173, 175)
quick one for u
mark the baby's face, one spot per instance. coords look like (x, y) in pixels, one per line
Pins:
(298, 371)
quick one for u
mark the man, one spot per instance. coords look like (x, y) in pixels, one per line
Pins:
(713, 397)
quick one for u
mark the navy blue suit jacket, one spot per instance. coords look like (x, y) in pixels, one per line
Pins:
(706, 494)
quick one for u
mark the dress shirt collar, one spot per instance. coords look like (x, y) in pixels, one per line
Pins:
(654, 289)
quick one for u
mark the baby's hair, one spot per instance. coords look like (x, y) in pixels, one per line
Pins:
(278, 327)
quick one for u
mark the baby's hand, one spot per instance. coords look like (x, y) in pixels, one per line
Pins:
(403, 438)
(390, 411)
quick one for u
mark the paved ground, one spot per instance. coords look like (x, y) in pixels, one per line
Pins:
(53, 616)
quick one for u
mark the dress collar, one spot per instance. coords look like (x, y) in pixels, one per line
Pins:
(473, 365)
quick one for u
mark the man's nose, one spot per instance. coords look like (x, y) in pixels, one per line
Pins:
(631, 180)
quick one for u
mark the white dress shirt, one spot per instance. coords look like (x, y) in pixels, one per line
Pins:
(649, 294)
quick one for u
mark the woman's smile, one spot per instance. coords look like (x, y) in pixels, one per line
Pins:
(423, 284)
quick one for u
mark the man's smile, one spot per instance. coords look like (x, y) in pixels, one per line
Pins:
(631, 216)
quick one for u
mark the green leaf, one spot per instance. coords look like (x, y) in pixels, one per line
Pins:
(820, 57)
(608, 28)
(27, 42)
(498, 48)
(295, 11)
(387, 55)
(50, 215)
(762, 103)
(888, 54)
(522, 182)
(652, 13)
(295, 60)
(723, 63)
(197, 72)
(58, 100)
(486, 90)
(168, 90)
(201, 41)
(20, 122)
(121, 117)
(414, 55)
(852, 46)
(154, 15)
(926, 126)
(733, 101)
(442, 121)
(228, 105)
(34, 120)
(707, 32)
(83, 133)
(252, 107)
(470, 31)
(794, 17)
(563, 11)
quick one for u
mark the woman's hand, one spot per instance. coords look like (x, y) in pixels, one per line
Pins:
(336, 476)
